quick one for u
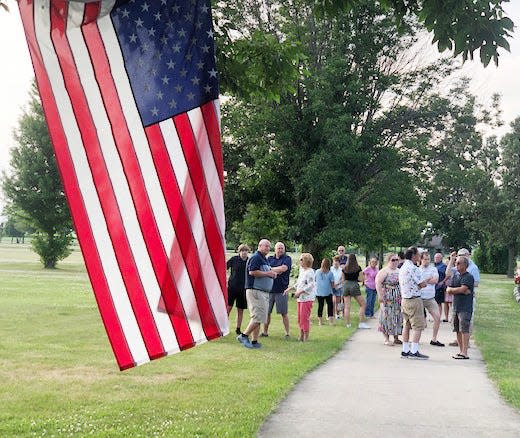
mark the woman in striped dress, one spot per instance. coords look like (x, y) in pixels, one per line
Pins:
(389, 294)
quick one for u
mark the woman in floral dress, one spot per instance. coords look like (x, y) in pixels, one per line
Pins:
(387, 286)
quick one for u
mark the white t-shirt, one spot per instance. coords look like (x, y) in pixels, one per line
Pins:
(306, 283)
(428, 292)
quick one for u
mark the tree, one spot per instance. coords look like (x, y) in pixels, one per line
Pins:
(33, 189)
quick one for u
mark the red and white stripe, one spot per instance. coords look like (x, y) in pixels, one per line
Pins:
(147, 204)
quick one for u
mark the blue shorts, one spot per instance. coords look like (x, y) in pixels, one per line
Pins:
(337, 292)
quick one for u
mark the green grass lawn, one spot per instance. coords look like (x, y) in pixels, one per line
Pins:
(498, 334)
(58, 376)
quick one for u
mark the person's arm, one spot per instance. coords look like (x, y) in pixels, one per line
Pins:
(461, 290)
(434, 279)
(379, 285)
(259, 273)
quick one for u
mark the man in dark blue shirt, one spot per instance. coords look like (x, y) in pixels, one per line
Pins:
(440, 287)
(462, 289)
(259, 282)
(280, 263)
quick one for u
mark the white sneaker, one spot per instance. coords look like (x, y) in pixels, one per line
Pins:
(363, 325)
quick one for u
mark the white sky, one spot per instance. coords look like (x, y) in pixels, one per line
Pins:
(16, 75)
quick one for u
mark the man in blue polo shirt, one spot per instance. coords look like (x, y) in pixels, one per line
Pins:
(259, 282)
(280, 263)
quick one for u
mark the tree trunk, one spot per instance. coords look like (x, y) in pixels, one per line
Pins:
(511, 260)
(381, 255)
(317, 250)
(367, 257)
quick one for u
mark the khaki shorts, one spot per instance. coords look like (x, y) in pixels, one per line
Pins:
(413, 313)
(258, 304)
(431, 306)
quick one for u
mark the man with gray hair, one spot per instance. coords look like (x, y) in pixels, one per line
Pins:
(259, 281)
(462, 288)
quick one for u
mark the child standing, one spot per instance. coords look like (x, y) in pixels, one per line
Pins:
(305, 292)
(324, 285)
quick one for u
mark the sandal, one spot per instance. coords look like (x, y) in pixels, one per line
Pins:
(398, 341)
(460, 356)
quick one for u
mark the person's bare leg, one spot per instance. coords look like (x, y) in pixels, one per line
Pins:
(436, 323)
(285, 320)
(406, 333)
(256, 332)
(266, 325)
(251, 327)
(416, 336)
(362, 306)
(465, 343)
(459, 340)
(240, 315)
(446, 311)
(346, 309)
(305, 336)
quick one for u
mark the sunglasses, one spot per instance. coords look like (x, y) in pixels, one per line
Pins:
(394, 260)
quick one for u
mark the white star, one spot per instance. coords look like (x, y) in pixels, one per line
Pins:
(164, 39)
(200, 65)
(178, 88)
(140, 62)
(158, 16)
(146, 88)
(204, 9)
(160, 95)
(163, 2)
(181, 33)
(158, 55)
(210, 33)
(172, 103)
(207, 88)
(205, 49)
(169, 24)
(176, 48)
(170, 64)
(195, 81)
(139, 22)
(144, 47)
(125, 13)
(175, 9)
(190, 96)
(212, 73)
(198, 24)
(155, 111)
(165, 79)
(151, 32)
(153, 72)
(188, 17)
(194, 41)
(184, 72)
(145, 7)
(188, 57)
(133, 38)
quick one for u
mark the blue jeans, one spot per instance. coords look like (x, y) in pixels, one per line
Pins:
(371, 301)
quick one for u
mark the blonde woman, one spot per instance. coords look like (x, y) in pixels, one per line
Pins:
(305, 293)
(389, 294)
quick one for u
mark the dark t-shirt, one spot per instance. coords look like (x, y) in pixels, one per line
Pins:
(237, 279)
(281, 282)
(441, 269)
(258, 263)
(352, 276)
(461, 302)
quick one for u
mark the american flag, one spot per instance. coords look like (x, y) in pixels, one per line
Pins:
(130, 93)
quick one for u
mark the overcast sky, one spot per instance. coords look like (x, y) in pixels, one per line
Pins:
(16, 74)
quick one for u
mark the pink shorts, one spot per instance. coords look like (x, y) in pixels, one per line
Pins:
(304, 315)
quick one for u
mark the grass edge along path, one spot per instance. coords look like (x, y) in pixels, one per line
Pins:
(497, 334)
(58, 376)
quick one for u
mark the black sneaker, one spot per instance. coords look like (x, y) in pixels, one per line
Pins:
(437, 343)
(417, 356)
(405, 355)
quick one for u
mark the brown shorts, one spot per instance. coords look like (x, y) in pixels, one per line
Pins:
(413, 313)
(352, 289)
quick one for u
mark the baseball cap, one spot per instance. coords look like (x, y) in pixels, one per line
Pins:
(463, 252)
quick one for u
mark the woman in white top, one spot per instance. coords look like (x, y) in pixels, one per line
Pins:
(305, 293)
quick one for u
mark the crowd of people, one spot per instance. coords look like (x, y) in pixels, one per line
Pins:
(407, 287)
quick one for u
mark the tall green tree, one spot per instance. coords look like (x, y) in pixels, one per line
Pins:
(33, 188)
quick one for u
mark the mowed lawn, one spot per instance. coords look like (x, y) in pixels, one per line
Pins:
(498, 334)
(58, 376)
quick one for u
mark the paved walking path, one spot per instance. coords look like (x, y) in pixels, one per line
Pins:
(367, 390)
